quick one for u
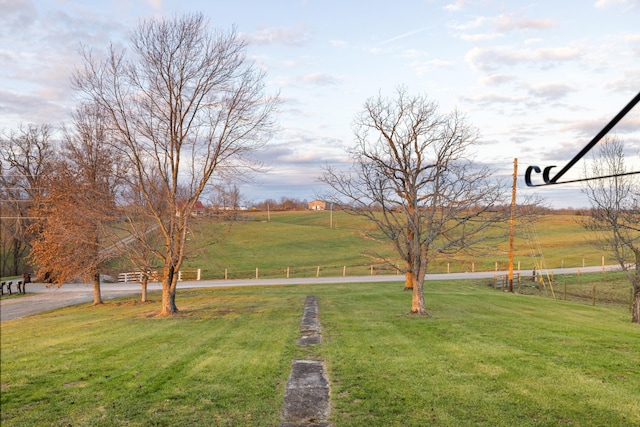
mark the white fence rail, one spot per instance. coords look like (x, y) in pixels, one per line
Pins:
(136, 276)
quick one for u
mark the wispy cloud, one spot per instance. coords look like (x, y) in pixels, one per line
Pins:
(277, 36)
(491, 58)
(456, 5)
(321, 79)
(402, 36)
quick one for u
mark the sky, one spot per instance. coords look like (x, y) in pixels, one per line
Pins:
(538, 78)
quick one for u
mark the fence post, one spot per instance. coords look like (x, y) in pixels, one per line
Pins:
(225, 274)
(496, 265)
(473, 267)
(318, 272)
(287, 272)
(198, 278)
(602, 264)
(448, 270)
(372, 270)
(344, 270)
(256, 272)
(179, 275)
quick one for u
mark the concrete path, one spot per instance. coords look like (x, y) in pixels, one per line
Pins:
(40, 298)
(307, 393)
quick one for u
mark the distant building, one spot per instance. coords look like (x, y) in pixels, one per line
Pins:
(317, 205)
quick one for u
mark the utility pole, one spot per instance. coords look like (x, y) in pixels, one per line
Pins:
(512, 222)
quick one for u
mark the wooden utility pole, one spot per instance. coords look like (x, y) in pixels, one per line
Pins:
(512, 222)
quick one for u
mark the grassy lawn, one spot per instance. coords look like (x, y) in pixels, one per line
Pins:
(483, 358)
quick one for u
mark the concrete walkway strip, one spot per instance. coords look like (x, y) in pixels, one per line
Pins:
(310, 323)
(307, 393)
(306, 399)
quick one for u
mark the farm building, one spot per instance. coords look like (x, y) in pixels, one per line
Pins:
(317, 205)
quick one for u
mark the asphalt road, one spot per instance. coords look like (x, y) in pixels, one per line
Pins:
(39, 298)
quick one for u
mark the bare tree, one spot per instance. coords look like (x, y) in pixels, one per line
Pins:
(184, 104)
(413, 179)
(25, 156)
(615, 211)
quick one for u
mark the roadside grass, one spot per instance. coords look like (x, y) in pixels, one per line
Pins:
(610, 289)
(482, 358)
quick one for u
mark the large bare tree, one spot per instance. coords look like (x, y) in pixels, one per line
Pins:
(412, 176)
(615, 211)
(184, 105)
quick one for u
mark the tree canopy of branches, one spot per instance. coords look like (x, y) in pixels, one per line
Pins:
(184, 105)
(77, 202)
(412, 177)
(25, 156)
(615, 213)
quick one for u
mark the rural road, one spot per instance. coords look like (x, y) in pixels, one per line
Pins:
(40, 298)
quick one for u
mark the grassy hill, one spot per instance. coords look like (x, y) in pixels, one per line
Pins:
(304, 241)
(484, 358)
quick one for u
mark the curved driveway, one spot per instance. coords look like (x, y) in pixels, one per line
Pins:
(40, 298)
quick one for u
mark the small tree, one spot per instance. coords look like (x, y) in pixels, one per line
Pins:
(615, 211)
(77, 202)
(25, 158)
(413, 179)
(184, 104)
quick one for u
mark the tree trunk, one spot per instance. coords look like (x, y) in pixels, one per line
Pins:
(408, 280)
(635, 283)
(635, 315)
(97, 298)
(169, 282)
(417, 299)
(143, 283)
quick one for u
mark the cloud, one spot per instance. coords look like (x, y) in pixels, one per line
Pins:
(510, 23)
(422, 67)
(155, 5)
(550, 91)
(498, 26)
(16, 15)
(277, 36)
(15, 107)
(497, 79)
(456, 5)
(321, 79)
(628, 82)
(605, 4)
(491, 58)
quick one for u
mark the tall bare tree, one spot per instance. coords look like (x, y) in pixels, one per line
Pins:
(25, 156)
(184, 104)
(615, 211)
(413, 178)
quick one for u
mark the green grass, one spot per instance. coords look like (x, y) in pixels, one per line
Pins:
(304, 241)
(482, 358)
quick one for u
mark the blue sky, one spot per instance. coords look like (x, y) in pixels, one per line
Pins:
(538, 78)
